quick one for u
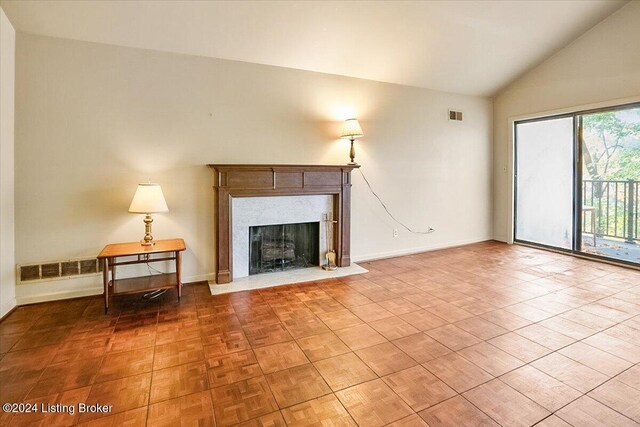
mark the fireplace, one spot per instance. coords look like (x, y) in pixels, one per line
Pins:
(238, 186)
(283, 247)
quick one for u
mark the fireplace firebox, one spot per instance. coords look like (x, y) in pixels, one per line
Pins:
(283, 247)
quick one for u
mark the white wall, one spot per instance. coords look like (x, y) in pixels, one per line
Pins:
(601, 68)
(7, 220)
(94, 120)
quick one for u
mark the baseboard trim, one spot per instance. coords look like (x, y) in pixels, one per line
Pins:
(199, 278)
(62, 295)
(210, 277)
(502, 238)
(7, 309)
(418, 250)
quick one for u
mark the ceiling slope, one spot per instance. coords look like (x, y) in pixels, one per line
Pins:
(467, 47)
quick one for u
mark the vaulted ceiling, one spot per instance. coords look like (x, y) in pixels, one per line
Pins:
(468, 47)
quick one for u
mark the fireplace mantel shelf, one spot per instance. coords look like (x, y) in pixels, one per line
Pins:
(278, 166)
(259, 180)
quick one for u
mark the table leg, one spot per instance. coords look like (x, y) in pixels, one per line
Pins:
(105, 282)
(179, 273)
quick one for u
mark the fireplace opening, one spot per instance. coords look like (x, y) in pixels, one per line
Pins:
(283, 247)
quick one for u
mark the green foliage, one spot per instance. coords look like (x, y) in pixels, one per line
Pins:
(628, 164)
(612, 149)
(612, 124)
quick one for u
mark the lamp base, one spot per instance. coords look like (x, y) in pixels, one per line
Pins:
(148, 238)
(352, 164)
(352, 154)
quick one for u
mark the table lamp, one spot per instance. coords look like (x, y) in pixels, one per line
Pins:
(352, 130)
(147, 200)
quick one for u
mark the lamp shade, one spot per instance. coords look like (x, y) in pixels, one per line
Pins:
(351, 129)
(148, 199)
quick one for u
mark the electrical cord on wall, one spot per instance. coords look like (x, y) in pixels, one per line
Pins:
(429, 231)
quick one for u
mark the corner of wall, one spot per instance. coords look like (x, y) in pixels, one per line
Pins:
(566, 82)
(7, 176)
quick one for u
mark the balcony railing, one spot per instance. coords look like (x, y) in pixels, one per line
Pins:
(615, 206)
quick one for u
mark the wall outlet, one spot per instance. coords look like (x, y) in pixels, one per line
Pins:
(395, 232)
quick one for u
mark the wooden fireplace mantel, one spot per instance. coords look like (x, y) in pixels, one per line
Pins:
(280, 180)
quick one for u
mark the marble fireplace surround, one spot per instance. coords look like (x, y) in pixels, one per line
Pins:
(253, 211)
(232, 181)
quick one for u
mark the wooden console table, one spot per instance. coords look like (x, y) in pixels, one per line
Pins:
(171, 251)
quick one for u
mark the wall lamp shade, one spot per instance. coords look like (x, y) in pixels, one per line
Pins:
(351, 131)
(147, 200)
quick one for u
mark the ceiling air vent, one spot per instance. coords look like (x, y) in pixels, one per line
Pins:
(455, 116)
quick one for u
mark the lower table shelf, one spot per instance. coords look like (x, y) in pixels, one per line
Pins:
(145, 283)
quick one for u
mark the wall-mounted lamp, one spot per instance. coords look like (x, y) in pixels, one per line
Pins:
(352, 130)
(147, 200)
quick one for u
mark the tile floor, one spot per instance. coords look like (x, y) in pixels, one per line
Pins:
(486, 334)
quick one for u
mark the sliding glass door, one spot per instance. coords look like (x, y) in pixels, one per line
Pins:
(577, 183)
(544, 182)
(610, 146)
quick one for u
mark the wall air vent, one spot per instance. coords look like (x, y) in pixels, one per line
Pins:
(455, 116)
(31, 273)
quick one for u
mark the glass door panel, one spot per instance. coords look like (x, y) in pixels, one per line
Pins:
(544, 182)
(610, 146)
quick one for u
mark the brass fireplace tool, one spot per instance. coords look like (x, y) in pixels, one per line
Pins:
(330, 265)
